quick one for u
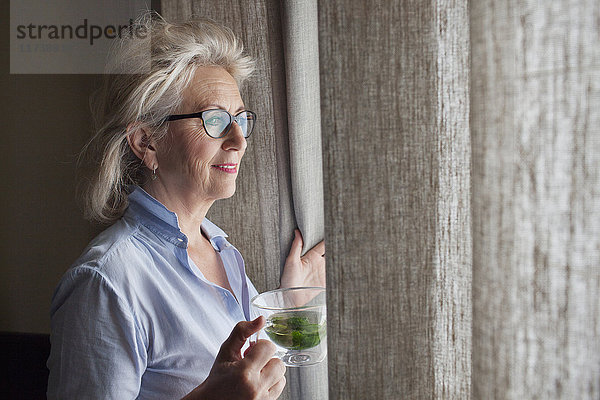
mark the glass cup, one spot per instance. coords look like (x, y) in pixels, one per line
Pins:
(296, 324)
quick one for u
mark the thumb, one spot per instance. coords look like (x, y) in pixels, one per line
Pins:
(296, 249)
(232, 347)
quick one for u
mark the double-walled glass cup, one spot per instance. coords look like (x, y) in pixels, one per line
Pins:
(296, 323)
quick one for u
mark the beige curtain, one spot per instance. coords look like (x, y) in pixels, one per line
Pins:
(301, 54)
(418, 307)
(395, 112)
(536, 199)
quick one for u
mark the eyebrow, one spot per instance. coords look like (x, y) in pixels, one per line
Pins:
(203, 106)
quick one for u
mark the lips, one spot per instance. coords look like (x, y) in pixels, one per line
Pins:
(229, 168)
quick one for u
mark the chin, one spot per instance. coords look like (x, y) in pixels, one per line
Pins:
(227, 192)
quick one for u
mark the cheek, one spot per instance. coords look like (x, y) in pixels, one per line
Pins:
(192, 153)
(198, 167)
(241, 154)
(198, 156)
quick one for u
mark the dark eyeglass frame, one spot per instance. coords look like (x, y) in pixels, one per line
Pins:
(232, 118)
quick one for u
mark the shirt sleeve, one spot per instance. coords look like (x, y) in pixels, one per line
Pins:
(97, 351)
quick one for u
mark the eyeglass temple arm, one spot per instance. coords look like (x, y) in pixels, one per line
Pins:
(183, 116)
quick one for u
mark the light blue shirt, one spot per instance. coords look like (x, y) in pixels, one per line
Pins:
(135, 318)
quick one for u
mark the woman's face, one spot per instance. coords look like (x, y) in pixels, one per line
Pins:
(193, 163)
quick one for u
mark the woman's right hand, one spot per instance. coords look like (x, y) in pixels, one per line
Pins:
(255, 376)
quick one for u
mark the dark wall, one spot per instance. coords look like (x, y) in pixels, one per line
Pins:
(45, 120)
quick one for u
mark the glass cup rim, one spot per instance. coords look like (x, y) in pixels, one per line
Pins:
(318, 288)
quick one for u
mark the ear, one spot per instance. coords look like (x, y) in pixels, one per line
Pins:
(142, 144)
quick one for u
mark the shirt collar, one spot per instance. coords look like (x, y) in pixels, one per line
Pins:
(155, 216)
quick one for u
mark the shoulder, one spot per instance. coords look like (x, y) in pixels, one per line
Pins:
(110, 259)
(112, 251)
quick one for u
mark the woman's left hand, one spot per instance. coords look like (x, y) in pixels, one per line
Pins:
(307, 270)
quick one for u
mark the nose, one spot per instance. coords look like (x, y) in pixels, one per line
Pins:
(235, 140)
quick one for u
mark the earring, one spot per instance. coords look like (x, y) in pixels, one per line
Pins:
(154, 172)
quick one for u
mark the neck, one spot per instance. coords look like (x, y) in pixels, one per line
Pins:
(190, 211)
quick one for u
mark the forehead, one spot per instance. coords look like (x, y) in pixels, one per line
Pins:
(211, 87)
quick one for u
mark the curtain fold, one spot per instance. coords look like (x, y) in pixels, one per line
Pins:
(395, 124)
(536, 199)
(301, 54)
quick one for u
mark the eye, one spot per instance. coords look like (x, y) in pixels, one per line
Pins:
(213, 121)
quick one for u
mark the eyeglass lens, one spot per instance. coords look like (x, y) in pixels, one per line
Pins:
(218, 122)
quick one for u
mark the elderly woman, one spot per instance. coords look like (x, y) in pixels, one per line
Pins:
(157, 306)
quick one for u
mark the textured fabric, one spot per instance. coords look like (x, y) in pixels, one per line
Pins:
(536, 199)
(135, 317)
(395, 125)
(301, 53)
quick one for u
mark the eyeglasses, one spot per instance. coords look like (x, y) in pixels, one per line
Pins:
(217, 123)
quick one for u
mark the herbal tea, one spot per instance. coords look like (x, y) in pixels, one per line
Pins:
(296, 321)
(296, 330)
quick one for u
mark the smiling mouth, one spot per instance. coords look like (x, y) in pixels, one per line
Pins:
(227, 168)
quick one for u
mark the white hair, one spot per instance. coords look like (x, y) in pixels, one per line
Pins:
(159, 66)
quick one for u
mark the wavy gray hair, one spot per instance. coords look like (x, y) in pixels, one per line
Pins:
(159, 66)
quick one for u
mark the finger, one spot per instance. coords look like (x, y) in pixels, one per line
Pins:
(273, 371)
(275, 390)
(258, 356)
(232, 347)
(249, 347)
(297, 243)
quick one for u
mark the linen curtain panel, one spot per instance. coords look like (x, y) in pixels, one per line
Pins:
(535, 97)
(395, 112)
(459, 172)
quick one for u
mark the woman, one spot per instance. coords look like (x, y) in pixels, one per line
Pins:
(157, 306)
